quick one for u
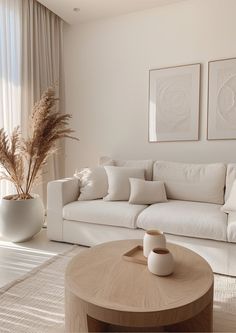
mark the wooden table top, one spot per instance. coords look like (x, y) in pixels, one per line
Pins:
(100, 276)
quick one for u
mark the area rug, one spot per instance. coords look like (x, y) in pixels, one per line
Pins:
(35, 303)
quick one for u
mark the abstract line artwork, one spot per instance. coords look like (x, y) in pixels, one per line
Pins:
(222, 99)
(174, 103)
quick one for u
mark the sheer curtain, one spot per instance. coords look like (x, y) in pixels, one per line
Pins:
(42, 66)
(10, 71)
(30, 61)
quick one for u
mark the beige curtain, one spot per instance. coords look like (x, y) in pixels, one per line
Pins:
(42, 66)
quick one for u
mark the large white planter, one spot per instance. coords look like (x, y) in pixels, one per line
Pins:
(20, 220)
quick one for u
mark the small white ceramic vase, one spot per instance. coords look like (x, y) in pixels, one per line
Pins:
(160, 262)
(152, 239)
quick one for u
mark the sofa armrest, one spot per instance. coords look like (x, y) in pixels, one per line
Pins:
(59, 193)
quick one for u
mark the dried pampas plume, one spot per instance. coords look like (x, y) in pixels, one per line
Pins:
(23, 159)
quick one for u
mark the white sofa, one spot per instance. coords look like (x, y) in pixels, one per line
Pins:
(198, 224)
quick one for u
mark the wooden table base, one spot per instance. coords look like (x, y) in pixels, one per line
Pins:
(203, 322)
(78, 321)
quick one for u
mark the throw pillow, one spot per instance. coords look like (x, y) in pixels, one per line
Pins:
(230, 204)
(118, 182)
(93, 183)
(144, 192)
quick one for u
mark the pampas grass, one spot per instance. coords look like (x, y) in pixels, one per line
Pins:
(23, 159)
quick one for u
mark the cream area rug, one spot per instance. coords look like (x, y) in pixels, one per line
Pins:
(35, 303)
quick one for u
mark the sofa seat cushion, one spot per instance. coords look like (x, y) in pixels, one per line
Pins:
(231, 230)
(118, 213)
(193, 219)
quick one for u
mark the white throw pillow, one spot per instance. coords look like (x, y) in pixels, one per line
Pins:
(118, 182)
(230, 204)
(93, 183)
(144, 192)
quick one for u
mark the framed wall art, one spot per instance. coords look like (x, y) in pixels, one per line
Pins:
(221, 99)
(174, 103)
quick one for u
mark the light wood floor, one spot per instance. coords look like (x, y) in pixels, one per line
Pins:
(16, 259)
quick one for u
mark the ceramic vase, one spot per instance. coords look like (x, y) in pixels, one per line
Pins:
(20, 220)
(161, 262)
(152, 239)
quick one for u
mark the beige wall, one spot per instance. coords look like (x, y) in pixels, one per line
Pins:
(107, 67)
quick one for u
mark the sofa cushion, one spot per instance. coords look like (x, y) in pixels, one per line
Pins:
(93, 183)
(230, 204)
(231, 230)
(147, 165)
(193, 219)
(119, 213)
(146, 192)
(230, 178)
(118, 182)
(193, 182)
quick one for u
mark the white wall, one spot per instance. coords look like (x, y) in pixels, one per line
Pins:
(107, 66)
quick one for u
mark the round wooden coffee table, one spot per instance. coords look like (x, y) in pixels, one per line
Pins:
(104, 292)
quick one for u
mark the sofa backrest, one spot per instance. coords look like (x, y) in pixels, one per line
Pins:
(230, 177)
(147, 165)
(192, 182)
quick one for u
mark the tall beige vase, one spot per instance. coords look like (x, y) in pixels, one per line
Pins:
(152, 239)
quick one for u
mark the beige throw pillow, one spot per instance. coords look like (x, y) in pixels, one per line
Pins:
(143, 192)
(118, 182)
(230, 204)
(93, 183)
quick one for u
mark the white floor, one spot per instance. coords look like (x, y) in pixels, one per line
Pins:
(16, 259)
